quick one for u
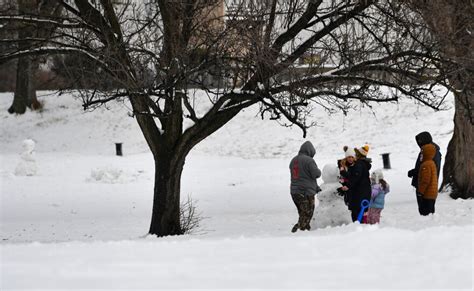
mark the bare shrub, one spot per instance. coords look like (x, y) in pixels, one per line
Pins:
(190, 218)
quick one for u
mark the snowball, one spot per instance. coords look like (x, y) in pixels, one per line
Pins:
(330, 173)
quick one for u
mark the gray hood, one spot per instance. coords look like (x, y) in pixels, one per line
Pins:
(307, 149)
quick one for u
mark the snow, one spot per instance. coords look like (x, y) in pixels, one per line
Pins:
(81, 220)
(112, 175)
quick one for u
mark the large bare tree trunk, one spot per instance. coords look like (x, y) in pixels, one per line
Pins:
(458, 46)
(165, 219)
(25, 89)
(451, 22)
(458, 171)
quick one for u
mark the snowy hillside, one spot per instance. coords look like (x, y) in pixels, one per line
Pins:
(80, 220)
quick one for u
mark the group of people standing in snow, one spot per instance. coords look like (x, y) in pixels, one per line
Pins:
(363, 192)
(358, 185)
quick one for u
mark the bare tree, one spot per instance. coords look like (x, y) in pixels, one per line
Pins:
(286, 56)
(452, 23)
(25, 91)
(27, 66)
(7, 69)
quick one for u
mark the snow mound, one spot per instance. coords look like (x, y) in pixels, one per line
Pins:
(111, 175)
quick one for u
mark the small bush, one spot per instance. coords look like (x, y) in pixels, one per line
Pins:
(189, 217)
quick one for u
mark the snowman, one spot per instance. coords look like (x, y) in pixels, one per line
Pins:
(27, 165)
(331, 210)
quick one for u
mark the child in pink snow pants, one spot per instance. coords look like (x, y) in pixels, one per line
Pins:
(380, 188)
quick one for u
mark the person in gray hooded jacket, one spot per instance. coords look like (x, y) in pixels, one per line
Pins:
(304, 186)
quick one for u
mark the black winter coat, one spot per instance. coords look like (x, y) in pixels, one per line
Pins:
(359, 183)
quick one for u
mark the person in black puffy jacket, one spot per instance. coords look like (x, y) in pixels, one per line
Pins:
(358, 185)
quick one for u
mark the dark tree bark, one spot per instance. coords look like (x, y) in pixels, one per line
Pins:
(27, 66)
(165, 217)
(452, 23)
(25, 89)
(7, 70)
(458, 170)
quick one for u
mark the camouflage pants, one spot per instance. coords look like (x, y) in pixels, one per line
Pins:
(305, 206)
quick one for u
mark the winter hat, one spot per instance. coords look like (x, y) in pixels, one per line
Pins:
(377, 175)
(423, 138)
(364, 150)
(349, 152)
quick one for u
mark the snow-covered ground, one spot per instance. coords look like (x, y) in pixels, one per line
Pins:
(80, 221)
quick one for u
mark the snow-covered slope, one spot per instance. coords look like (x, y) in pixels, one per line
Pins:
(64, 127)
(80, 221)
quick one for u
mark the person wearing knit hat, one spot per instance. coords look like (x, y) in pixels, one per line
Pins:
(349, 159)
(362, 151)
(344, 165)
(349, 152)
(358, 185)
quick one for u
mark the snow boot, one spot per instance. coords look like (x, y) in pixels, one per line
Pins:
(295, 228)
